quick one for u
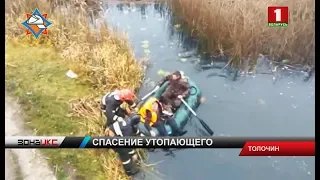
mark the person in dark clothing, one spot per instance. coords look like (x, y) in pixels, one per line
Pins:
(178, 88)
(152, 114)
(111, 102)
(128, 156)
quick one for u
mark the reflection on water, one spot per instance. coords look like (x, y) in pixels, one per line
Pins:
(275, 101)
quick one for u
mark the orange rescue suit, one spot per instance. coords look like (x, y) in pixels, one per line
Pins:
(148, 106)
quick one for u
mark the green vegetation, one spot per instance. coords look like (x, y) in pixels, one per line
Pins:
(55, 104)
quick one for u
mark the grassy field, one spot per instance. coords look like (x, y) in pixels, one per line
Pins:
(240, 28)
(55, 104)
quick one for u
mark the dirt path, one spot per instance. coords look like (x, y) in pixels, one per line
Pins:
(26, 164)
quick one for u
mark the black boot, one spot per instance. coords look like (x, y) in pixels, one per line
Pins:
(133, 171)
(131, 168)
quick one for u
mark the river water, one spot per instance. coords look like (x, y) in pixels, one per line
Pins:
(254, 105)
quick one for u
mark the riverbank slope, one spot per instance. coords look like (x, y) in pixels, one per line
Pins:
(55, 104)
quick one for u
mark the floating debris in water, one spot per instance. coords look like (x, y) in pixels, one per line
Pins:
(171, 43)
(186, 54)
(243, 93)
(154, 35)
(143, 29)
(177, 26)
(273, 78)
(275, 69)
(294, 106)
(285, 61)
(281, 94)
(71, 74)
(162, 72)
(215, 96)
(290, 82)
(261, 101)
(288, 87)
(161, 46)
(147, 51)
(183, 59)
(291, 97)
(145, 42)
(180, 44)
(145, 46)
(171, 47)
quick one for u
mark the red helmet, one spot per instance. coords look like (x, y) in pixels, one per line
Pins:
(126, 94)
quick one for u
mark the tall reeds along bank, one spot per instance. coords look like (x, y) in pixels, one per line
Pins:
(55, 104)
(240, 28)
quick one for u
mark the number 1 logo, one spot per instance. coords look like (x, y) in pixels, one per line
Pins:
(278, 16)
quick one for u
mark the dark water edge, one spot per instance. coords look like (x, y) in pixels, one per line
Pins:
(275, 100)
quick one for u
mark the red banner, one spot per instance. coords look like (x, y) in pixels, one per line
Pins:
(278, 148)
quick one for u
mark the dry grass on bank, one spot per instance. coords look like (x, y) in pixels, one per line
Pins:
(57, 105)
(239, 28)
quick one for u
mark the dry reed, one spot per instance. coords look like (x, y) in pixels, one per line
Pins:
(239, 28)
(98, 56)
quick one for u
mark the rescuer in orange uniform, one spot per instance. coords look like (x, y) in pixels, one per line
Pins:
(152, 114)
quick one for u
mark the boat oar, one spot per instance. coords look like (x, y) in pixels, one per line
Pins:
(205, 126)
(146, 96)
(149, 94)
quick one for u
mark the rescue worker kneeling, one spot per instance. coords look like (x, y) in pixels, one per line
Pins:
(111, 102)
(152, 114)
(128, 156)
